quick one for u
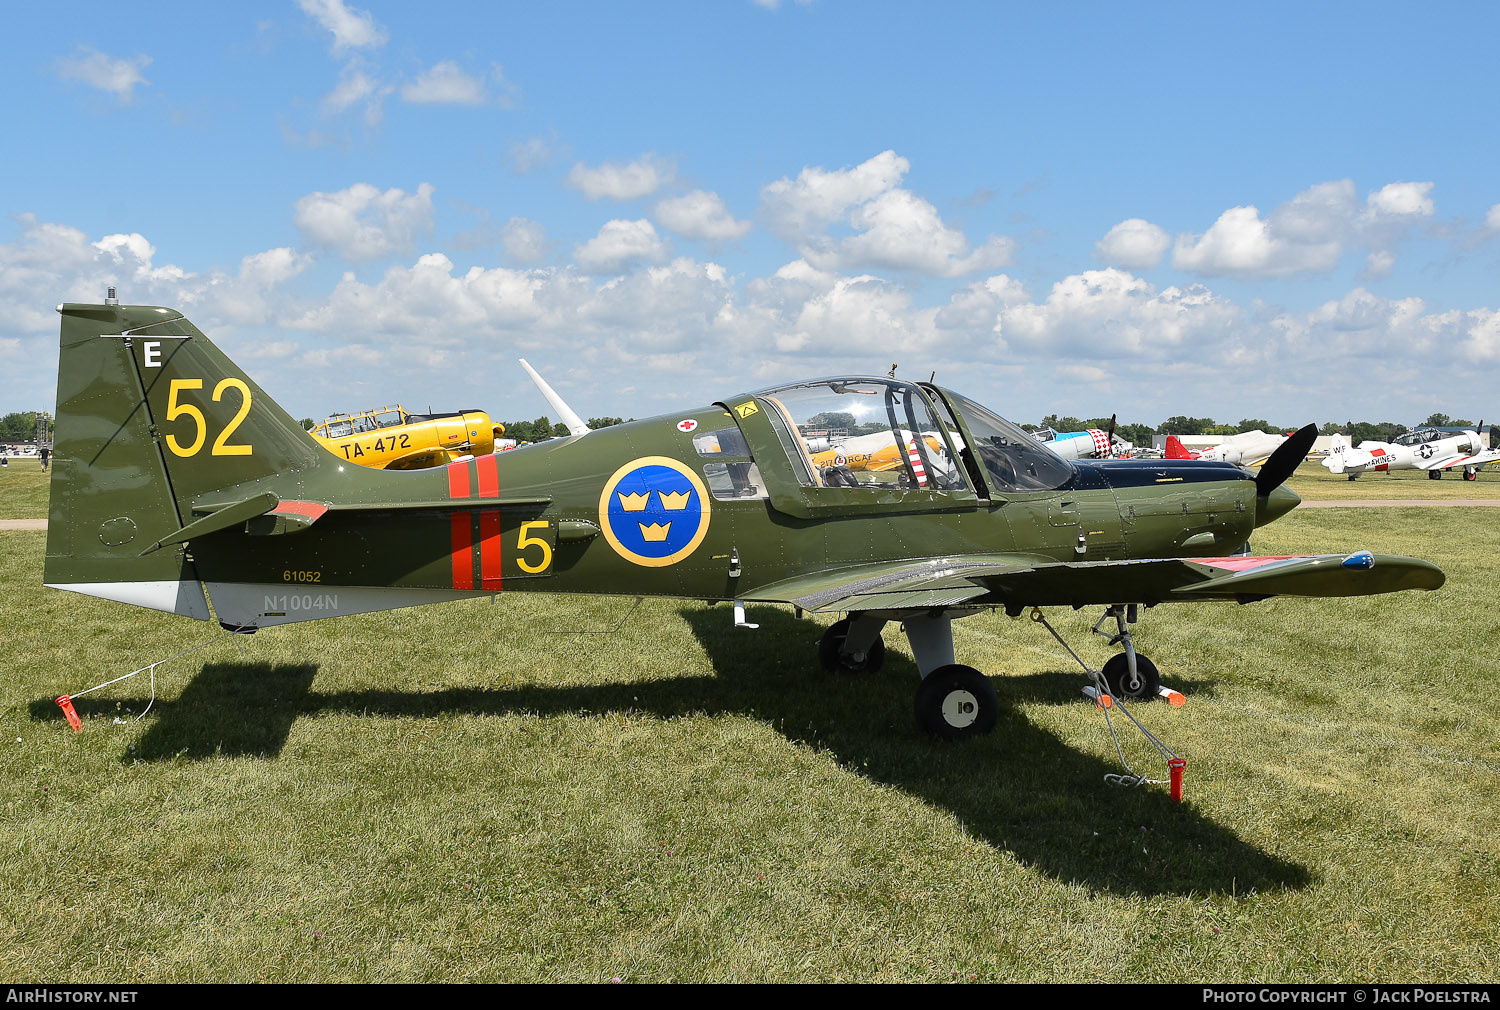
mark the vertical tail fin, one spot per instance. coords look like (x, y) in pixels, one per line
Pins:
(1338, 451)
(150, 415)
(1176, 450)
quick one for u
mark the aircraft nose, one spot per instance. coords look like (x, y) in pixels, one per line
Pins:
(1278, 503)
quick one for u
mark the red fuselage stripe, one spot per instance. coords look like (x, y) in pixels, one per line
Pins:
(463, 551)
(489, 549)
(458, 480)
(489, 477)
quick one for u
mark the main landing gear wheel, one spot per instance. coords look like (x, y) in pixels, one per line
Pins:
(1434, 475)
(1354, 476)
(1471, 475)
(1117, 678)
(957, 702)
(831, 655)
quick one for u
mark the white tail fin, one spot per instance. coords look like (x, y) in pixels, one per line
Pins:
(1338, 450)
(565, 413)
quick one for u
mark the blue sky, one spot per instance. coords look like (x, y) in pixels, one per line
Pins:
(1270, 211)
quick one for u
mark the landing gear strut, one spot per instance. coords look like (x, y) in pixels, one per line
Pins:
(1127, 675)
(853, 646)
(953, 701)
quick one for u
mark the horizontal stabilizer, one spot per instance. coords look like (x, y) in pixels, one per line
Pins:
(219, 518)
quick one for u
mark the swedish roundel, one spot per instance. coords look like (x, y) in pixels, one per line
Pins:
(654, 511)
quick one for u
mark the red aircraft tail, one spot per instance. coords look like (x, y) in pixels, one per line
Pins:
(1176, 450)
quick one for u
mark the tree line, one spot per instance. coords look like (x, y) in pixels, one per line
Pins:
(18, 426)
(542, 428)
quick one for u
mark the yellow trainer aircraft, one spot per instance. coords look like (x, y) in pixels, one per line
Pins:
(391, 438)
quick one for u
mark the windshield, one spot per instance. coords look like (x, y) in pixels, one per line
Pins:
(1013, 460)
(862, 433)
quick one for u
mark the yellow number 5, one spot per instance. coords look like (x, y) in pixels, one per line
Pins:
(526, 541)
(176, 410)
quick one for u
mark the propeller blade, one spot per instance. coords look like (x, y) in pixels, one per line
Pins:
(1287, 457)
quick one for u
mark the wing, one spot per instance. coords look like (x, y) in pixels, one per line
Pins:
(1018, 581)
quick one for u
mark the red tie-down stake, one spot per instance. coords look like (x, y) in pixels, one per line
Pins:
(66, 704)
(1175, 766)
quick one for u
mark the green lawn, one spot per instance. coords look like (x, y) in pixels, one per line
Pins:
(1313, 482)
(468, 792)
(23, 490)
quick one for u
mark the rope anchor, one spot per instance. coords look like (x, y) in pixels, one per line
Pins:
(1105, 701)
(65, 702)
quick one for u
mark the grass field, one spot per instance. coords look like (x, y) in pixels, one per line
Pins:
(23, 490)
(1315, 483)
(470, 792)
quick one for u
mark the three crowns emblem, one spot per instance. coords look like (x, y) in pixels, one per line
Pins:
(671, 501)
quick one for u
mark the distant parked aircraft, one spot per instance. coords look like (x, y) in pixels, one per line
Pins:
(1091, 443)
(1249, 448)
(1427, 449)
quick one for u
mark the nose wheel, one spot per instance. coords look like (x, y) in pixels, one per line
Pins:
(1143, 685)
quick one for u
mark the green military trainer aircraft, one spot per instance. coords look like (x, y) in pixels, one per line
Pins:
(175, 473)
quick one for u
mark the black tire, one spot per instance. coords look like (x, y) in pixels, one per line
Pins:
(1471, 475)
(1117, 672)
(1434, 475)
(1354, 476)
(956, 702)
(833, 641)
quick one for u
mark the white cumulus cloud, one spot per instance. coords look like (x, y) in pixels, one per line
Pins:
(620, 245)
(362, 223)
(525, 241)
(1240, 243)
(445, 83)
(351, 28)
(353, 86)
(893, 227)
(1104, 313)
(1134, 244)
(700, 215)
(630, 181)
(1403, 199)
(1309, 233)
(117, 76)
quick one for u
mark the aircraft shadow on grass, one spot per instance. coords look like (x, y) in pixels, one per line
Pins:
(1021, 789)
